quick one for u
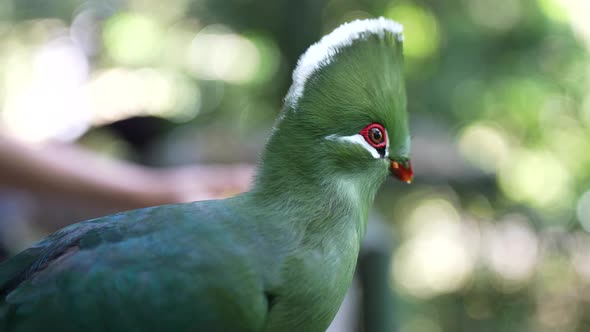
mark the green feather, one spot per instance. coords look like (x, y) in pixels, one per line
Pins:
(278, 258)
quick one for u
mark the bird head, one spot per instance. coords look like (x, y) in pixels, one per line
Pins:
(345, 113)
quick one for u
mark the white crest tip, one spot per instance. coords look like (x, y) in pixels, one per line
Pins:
(322, 53)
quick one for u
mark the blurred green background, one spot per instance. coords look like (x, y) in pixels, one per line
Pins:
(493, 234)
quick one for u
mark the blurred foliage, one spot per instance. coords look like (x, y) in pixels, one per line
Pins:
(508, 80)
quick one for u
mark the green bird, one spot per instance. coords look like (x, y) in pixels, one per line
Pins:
(277, 258)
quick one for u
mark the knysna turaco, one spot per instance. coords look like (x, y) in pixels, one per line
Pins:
(277, 258)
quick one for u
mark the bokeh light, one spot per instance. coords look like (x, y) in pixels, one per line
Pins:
(485, 146)
(218, 54)
(132, 39)
(499, 15)
(39, 104)
(537, 178)
(570, 11)
(512, 249)
(120, 93)
(421, 30)
(436, 258)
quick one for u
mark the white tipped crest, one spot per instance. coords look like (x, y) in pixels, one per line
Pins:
(322, 53)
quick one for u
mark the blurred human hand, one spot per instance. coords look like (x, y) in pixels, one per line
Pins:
(71, 171)
(201, 182)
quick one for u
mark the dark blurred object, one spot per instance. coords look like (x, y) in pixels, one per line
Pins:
(378, 312)
(141, 133)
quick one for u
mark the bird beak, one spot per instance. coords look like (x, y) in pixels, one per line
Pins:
(402, 170)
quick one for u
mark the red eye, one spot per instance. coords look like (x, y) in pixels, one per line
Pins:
(374, 134)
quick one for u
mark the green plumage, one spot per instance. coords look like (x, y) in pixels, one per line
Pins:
(278, 258)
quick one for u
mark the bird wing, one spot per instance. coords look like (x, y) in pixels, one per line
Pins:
(21, 267)
(177, 267)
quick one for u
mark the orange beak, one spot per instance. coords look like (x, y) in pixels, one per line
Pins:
(402, 170)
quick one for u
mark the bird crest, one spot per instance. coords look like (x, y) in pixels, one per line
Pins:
(323, 53)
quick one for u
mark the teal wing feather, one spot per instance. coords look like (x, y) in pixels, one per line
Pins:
(178, 268)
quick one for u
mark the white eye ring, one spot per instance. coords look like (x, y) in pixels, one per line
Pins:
(360, 140)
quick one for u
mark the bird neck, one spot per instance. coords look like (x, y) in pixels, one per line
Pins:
(300, 187)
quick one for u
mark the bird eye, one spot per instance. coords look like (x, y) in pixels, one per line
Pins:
(374, 134)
